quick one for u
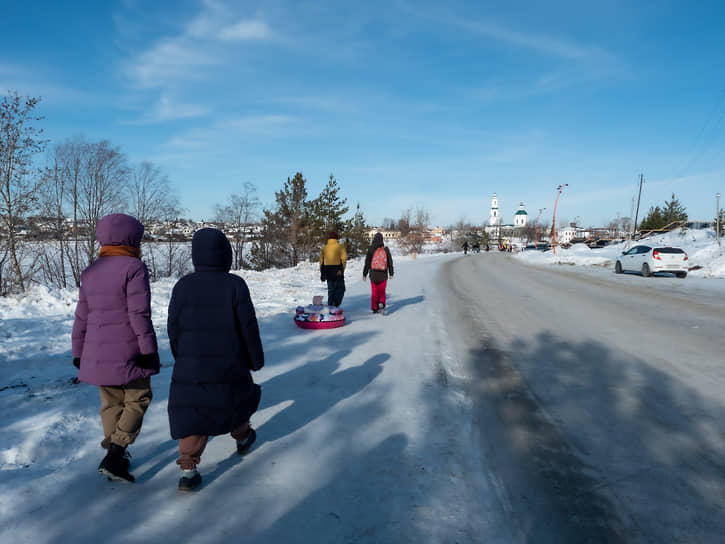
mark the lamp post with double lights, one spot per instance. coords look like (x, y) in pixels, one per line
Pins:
(560, 188)
(536, 229)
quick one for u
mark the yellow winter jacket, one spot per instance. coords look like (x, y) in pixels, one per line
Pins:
(333, 259)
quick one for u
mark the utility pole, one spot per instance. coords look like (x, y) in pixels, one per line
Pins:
(636, 215)
(717, 217)
(560, 188)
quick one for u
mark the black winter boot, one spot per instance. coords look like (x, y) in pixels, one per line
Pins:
(244, 445)
(115, 465)
(190, 480)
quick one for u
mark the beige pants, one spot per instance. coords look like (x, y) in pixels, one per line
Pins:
(122, 411)
(191, 447)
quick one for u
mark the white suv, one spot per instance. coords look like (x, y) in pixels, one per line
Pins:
(648, 260)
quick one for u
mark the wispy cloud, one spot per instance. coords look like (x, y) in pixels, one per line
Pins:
(167, 108)
(197, 45)
(550, 45)
(245, 30)
(39, 84)
(218, 136)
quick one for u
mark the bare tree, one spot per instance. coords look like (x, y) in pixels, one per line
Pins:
(19, 182)
(239, 215)
(55, 254)
(413, 241)
(103, 181)
(151, 196)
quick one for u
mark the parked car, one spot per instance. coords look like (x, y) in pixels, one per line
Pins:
(648, 260)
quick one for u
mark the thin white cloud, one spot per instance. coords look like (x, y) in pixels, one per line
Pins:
(220, 135)
(246, 30)
(201, 43)
(541, 43)
(169, 109)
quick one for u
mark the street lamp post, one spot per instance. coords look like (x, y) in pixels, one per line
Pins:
(560, 188)
(717, 217)
(536, 229)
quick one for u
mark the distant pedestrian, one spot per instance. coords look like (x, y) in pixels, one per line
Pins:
(214, 337)
(114, 343)
(465, 247)
(379, 263)
(333, 259)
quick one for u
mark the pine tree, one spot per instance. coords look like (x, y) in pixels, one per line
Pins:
(327, 211)
(673, 211)
(356, 237)
(722, 223)
(654, 220)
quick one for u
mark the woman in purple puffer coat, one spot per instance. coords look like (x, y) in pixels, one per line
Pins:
(114, 343)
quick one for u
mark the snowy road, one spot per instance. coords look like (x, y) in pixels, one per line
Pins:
(599, 400)
(495, 402)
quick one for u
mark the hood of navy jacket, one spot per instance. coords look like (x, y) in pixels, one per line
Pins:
(377, 240)
(119, 229)
(211, 250)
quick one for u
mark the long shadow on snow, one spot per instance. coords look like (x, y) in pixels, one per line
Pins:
(332, 387)
(352, 501)
(593, 447)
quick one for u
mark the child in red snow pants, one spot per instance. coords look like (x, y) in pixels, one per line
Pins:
(378, 293)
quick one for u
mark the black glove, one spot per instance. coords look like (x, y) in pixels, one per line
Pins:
(148, 360)
(77, 362)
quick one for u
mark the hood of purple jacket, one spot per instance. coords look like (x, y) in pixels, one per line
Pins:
(119, 229)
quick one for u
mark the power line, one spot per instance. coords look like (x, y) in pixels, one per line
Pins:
(698, 140)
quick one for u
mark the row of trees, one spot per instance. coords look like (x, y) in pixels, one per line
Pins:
(296, 227)
(659, 217)
(81, 181)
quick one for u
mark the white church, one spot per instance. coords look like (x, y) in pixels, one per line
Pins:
(496, 229)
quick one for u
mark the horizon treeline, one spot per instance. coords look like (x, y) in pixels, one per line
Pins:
(81, 181)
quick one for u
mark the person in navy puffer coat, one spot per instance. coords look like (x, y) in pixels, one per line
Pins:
(214, 337)
(113, 338)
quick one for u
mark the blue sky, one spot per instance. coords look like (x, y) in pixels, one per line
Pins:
(408, 103)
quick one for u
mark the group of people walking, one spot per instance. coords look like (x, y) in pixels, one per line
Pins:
(378, 264)
(213, 335)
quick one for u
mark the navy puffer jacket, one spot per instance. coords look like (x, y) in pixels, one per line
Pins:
(215, 341)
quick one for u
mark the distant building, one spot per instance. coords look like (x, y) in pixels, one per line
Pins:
(521, 217)
(387, 234)
(494, 219)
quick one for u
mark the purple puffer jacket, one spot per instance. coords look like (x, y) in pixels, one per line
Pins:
(113, 317)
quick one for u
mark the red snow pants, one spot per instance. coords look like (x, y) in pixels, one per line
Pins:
(378, 293)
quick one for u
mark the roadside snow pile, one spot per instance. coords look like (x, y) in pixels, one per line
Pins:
(707, 259)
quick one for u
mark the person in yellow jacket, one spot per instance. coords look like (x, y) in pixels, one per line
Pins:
(333, 258)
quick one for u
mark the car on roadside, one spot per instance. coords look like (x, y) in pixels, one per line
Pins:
(649, 260)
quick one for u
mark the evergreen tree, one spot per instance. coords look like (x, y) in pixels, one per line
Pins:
(673, 211)
(284, 229)
(356, 236)
(327, 210)
(722, 223)
(269, 249)
(658, 218)
(654, 220)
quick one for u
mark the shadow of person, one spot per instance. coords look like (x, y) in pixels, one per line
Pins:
(397, 305)
(330, 387)
(354, 506)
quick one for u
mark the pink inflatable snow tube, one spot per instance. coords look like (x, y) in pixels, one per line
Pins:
(316, 317)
